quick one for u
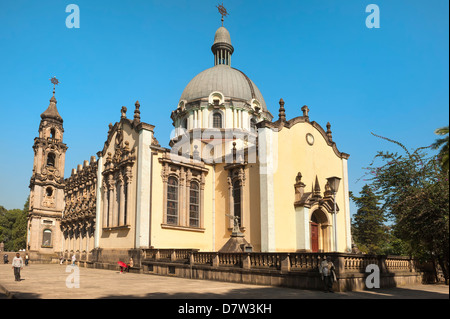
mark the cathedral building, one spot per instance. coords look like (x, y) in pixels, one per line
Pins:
(234, 178)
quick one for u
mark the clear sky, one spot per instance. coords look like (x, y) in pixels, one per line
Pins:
(392, 80)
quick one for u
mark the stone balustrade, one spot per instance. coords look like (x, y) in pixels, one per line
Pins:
(345, 263)
(299, 270)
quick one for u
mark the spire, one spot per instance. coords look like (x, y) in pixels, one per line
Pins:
(316, 191)
(222, 48)
(52, 112)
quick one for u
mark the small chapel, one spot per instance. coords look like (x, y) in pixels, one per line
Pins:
(234, 177)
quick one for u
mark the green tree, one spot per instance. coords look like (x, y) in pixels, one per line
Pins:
(442, 143)
(415, 193)
(13, 227)
(368, 228)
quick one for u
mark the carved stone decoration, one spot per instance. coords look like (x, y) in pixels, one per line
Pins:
(80, 195)
(309, 199)
(299, 188)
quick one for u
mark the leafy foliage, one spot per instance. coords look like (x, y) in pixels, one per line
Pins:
(442, 143)
(13, 227)
(415, 193)
(369, 231)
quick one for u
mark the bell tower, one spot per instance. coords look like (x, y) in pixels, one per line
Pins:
(47, 184)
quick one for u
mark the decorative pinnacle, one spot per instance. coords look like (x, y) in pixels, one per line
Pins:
(55, 82)
(222, 11)
(329, 134)
(282, 113)
(137, 113)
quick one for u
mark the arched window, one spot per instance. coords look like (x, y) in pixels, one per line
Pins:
(118, 195)
(194, 205)
(125, 200)
(47, 238)
(237, 200)
(49, 191)
(253, 125)
(52, 133)
(217, 120)
(172, 201)
(51, 159)
(108, 205)
(184, 123)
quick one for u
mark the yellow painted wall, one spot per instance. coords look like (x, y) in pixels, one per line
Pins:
(296, 155)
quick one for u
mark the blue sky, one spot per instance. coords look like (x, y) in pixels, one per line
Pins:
(392, 81)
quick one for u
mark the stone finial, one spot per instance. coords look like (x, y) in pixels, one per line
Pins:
(196, 153)
(299, 187)
(137, 113)
(330, 136)
(316, 191)
(305, 110)
(110, 126)
(282, 111)
(123, 112)
(93, 159)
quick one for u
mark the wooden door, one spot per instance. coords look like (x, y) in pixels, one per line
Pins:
(314, 237)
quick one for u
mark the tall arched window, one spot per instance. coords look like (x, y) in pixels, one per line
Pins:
(253, 125)
(172, 201)
(184, 123)
(237, 200)
(118, 195)
(108, 205)
(194, 205)
(217, 120)
(51, 159)
(125, 200)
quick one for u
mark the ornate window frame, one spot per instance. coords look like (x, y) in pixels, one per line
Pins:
(186, 174)
(118, 171)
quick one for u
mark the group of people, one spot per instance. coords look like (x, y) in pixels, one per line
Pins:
(326, 268)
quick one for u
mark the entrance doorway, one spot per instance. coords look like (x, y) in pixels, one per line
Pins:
(314, 237)
(319, 232)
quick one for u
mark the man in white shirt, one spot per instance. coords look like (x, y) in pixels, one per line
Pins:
(17, 264)
(327, 272)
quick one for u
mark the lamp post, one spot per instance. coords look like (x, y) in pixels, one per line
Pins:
(334, 185)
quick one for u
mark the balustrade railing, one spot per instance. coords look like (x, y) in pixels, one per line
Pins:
(345, 263)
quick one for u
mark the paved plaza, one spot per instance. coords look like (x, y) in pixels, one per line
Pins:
(51, 281)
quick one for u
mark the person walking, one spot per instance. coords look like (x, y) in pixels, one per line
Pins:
(73, 259)
(327, 272)
(27, 259)
(17, 265)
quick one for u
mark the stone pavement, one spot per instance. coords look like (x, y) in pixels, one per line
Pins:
(48, 281)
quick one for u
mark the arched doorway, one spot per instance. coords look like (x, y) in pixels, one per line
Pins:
(319, 232)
